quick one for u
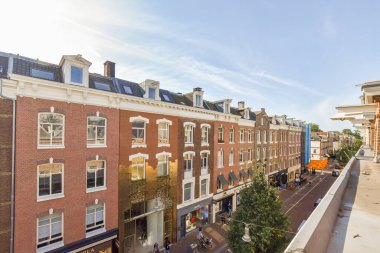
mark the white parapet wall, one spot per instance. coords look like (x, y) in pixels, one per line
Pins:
(314, 236)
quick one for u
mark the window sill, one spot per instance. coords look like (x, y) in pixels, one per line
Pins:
(232, 142)
(50, 147)
(96, 189)
(242, 142)
(231, 164)
(205, 144)
(95, 232)
(50, 247)
(96, 146)
(250, 161)
(241, 163)
(137, 180)
(163, 145)
(220, 167)
(50, 197)
(230, 186)
(189, 144)
(138, 145)
(219, 190)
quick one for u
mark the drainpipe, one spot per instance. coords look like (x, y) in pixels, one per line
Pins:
(13, 164)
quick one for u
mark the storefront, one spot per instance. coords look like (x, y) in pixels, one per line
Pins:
(102, 243)
(190, 216)
(293, 173)
(272, 178)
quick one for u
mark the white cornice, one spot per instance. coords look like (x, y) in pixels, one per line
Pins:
(25, 86)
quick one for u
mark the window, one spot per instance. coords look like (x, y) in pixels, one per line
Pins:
(49, 230)
(163, 133)
(204, 160)
(152, 93)
(226, 108)
(249, 136)
(249, 154)
(51, 129)
(166, 97)
(189, 134)
(198, 100)
(258, 137)
(232, 135)
(220, 158)
(127, 89)
(94, 217)
(138, 132)
(264, 136)
(264, 153)
(187, 192)
(262, 121)
(50, 180)
(76, 75)
(231, 158)
(138, 168)
(204, 136)
(96, 131)
(95, 174)
(241, 156)
(102, 86)
(42, 74)
(163, 165)
(203, 187)
(188, 162)
(246, 114)
(220, 135)
(241, 135)
(258, 153)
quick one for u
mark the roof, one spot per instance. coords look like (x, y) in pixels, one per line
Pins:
(25, 67)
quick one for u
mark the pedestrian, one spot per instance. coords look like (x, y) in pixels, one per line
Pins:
(155, 248)
(167, 245)
(229, 209)
(200, 230)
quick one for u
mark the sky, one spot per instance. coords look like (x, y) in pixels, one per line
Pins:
(299, 58)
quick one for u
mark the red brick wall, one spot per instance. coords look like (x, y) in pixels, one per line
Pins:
(6, 121)
(74, 154)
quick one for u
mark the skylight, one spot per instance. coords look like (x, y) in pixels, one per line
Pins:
(42, 74)
(102, 86)
(127, 89)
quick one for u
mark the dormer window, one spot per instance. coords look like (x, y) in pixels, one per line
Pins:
(127, 89)
(226, 108)
(42, 74)
(246, 114)
(152, 93)
(198, 100)
(76, 75)
(102, 86)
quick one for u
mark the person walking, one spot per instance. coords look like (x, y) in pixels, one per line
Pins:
(167, 245)
(200, 230)
(155, 248)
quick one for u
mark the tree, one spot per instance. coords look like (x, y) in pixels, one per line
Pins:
(261, 208)
(315, 127)
(347, 131)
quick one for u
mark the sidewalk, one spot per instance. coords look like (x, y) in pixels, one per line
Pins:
(215, 231)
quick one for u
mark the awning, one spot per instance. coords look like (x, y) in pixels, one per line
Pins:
(233, 176)
(222, 180)
(250, 171)
(344, 116)
(243, 173)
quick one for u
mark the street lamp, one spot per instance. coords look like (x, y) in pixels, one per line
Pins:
(246, 237)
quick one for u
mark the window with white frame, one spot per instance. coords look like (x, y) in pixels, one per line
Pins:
(258, 137)
(96, 174)
(221, 134)
(95, 217)
(271, 136)
(163, 133)
(188, 162)
(220, 158)
(249, 135)
(50, 180)
(241, 156)
(198, 100)
(232, 135)
(264, 153)
(246, 114)
(138, 132)
(51, 129)
(258, 154)
(226, 108)
(204, 137)
(163, 165)
(138, 168)
(204, 184)
(262, 121)
(264, 136)
(96, 131)
(49, 230)
(241, 135)
(189, 132)
(231, 158)
(249, 154)
(204, 160)
(187, 189)
(76, 75)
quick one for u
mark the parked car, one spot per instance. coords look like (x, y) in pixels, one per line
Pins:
(335, 173)
(316, 203)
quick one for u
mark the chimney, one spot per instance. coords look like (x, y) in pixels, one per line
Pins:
(197, 89)
(109, 69)
(241, 105)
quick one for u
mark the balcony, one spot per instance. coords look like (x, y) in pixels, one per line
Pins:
(348, 217)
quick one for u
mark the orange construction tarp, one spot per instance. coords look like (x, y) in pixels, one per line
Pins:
(318, 164)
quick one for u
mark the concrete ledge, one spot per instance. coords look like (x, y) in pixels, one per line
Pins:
(314, 236)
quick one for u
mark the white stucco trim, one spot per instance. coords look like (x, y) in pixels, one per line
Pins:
(164, 121)
(146, 156)
(163, 153)
(138, 118)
